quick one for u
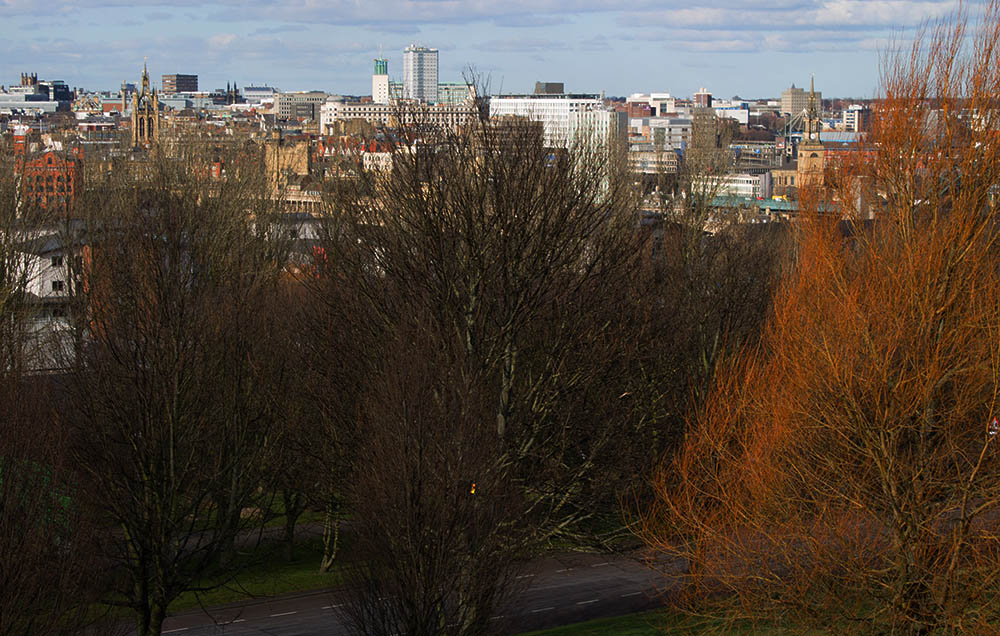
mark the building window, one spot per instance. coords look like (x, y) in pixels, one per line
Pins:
(57, 285)
(57, 261)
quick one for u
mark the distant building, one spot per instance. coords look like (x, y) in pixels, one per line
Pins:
(703, 98)
(380, 82)
(549, 88)
(32, 95)
(51, 179)
(301, 104)
(754, 186)
(145, 113)
(455, 93)
(420, 74)
(178, 83)
(566, 119)
(796, 100)
(811, 153)
(257, 94)
(337, 110)
(856, 118)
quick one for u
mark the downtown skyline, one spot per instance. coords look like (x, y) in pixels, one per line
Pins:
(754, 49)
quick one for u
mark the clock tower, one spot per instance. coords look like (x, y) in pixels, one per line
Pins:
(811, 152)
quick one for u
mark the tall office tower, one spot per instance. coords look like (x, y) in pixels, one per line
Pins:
(177, 83)
(380, 82)
(420, 73)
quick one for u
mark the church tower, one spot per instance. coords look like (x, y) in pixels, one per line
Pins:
(145, 114)
(811, 151)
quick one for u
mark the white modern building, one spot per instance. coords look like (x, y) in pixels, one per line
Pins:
(420, 74)
(380, 82)
(566, 119)
(754, 186)
(400, 114)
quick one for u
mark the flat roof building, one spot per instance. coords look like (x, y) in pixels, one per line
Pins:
(178, 83)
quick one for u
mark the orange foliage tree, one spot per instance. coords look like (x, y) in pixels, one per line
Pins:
(845, 472)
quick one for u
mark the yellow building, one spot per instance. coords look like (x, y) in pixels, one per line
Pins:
(811, 153)
(145, 113)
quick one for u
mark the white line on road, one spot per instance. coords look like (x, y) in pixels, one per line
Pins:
(597, 565)
(524, 576)
(565, 570)
(332, 606)
(544, 609)
(171, 631)
(631, 594)
(496, 618)
(593, 600)
(282, 614)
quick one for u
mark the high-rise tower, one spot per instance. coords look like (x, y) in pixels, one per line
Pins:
(380, 82)
(420, 73)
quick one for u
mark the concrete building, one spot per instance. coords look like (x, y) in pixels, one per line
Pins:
(855, 118)
(754, 186)
(649, 159)
(380, 82)
(300, 104)
(455, 93)
(34, 96)
(178, 83)
(660, 104)
(257, 94)
(566, 119)
(420, 74)
(337, 110)
(670, 132)
(796, 100)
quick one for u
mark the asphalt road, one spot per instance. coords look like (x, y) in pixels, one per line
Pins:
(560, 590)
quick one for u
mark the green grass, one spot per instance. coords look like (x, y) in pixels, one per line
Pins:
(267, 573)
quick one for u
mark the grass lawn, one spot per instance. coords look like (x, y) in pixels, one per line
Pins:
(267, 573)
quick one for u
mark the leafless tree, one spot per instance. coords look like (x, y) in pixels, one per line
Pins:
(174, 394)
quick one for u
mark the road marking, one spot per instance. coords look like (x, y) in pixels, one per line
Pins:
(565, 570)
(597, 565)
(496, 618)
(544, 609)
(171, 631)
(631, 594)
(524, 576)
(282, 614)
(332, 606)
(593, 600)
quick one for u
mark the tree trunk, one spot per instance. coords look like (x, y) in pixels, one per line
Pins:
(293, 509)
(331, 536)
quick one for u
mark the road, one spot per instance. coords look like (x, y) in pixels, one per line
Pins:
(560, 590)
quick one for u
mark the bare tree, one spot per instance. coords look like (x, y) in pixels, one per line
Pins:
(174, 397)
(48, 573)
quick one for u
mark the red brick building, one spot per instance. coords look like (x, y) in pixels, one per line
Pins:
(51, 179)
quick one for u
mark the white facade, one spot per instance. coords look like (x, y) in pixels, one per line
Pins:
(754, 186)
(380, 82)
(336, 109)
(565, 118)
(420, 74)
(660, 103)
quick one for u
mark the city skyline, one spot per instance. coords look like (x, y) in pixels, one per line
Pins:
(754, 49)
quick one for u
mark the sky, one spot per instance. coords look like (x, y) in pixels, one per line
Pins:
(750, 48)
